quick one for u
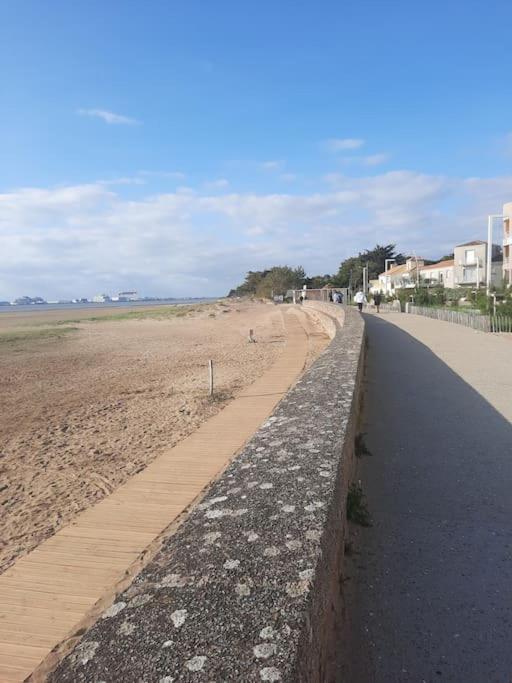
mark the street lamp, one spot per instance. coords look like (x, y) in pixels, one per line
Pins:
(489, 249)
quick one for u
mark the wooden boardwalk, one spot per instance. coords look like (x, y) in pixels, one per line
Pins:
(51, 591)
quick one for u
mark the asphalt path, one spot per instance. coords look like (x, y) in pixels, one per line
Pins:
(429, 584)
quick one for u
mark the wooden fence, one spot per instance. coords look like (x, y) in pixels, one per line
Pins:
(484, 323)
(500, 323)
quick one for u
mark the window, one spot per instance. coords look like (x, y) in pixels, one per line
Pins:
(469, 274)
(470, 256)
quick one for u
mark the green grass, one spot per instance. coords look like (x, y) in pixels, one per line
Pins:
(152, 313)
(357, 511)
(360, 446)
(19, 337)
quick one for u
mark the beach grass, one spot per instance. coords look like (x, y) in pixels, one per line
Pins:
(13, 338)
(160, 313)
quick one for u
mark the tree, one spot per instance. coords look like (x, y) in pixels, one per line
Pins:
(277, 280)
(350, 272)
(251, 283)
(319, 281)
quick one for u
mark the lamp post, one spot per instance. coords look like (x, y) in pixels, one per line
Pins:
(489, 250)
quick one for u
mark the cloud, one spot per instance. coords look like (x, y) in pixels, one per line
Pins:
(288, 177)
(273, 165)
(342, 144)
(174, 175)
(129, 180)
(77, 240)
(368, 160)
(255, 231)
(109, 117)
(375, 159)
(219, 184)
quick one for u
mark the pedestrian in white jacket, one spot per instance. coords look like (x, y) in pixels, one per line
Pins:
(360, 299)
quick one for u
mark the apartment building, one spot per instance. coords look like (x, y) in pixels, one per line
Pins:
(398, 277)
(471, 264)
(441, 274)
(507, 244)
(468, 268)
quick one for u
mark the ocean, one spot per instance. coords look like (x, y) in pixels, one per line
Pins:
(107, 304)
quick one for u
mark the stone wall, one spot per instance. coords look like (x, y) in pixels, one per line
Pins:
(248, 588)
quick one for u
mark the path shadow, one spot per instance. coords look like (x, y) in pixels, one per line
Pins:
(429, 588)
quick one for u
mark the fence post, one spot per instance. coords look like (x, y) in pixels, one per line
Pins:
(210, 375)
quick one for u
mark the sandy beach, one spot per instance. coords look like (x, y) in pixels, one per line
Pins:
(85, 403)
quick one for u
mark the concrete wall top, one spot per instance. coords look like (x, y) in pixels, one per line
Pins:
(243, 591)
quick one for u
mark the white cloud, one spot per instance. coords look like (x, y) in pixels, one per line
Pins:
(342, 144)
(375, 159)
(78, 240)
(108, 116)
(288, 177)
(255, 231)
(368, 160)
(273, 165)
(128, 180)
(174, 175)
(219, 184)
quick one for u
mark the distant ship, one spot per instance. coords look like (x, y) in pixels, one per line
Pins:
(127, 296)
(24, 300)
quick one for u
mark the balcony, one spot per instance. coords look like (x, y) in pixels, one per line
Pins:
(470, 264)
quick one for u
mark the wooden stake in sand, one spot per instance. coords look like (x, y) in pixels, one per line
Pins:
(251, 337)
(210, 373)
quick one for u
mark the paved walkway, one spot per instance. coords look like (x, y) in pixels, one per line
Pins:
(430, 587)
(47, 594)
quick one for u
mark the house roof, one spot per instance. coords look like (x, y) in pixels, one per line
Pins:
(395, 270)
(474, 243)
(440, 264)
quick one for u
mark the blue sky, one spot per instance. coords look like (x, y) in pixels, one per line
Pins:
(170, 146)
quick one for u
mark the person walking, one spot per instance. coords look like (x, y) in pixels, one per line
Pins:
(377, 300)
(360, 299)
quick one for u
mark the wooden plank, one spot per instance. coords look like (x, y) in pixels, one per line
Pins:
(37, 600)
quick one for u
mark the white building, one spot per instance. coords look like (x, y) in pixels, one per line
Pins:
(468, 268)
(441, 274)
(101, 298)
(507, 244)
(471, 264)
(406, 275)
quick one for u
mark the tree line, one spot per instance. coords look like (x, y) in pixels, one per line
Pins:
(279, 279)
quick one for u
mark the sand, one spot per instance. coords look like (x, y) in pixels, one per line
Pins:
(85, 404)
